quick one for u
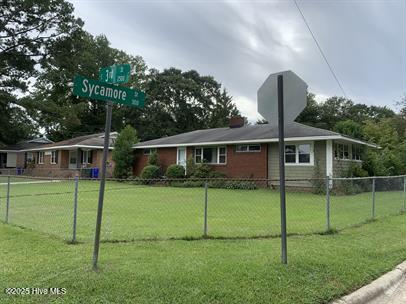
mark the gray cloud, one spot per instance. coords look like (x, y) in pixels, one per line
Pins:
(241, 42)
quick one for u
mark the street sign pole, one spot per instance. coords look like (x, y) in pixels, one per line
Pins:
(282, 192)
(109, 107)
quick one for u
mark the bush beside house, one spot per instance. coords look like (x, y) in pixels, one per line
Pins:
(123, 155)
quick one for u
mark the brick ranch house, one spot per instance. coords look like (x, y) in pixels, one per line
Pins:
(252, 151)
(65, 158)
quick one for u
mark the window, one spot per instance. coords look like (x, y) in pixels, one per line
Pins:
(54, 157)
(149, 151)
(341, 151)
(87, 157)
(30, 157)
(211, 155)
(356, 152)
(41, 158)
(290, 154)
(299, 154)
(248, 148)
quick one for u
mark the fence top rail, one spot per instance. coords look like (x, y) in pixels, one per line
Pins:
(213, 179)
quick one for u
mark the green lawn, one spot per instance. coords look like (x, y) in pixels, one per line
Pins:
(139, 212)
(320, 268)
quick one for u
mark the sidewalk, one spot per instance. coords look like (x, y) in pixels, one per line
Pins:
(397, 296)
(388, 289)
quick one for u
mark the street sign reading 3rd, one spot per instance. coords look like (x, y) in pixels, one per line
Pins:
(119, 73)
(94, 89)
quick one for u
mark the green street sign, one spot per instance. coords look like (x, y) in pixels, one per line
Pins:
(95, 89)
(119, 73)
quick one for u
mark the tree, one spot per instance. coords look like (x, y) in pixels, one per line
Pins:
(179, 102)
(52, 103)
(350, 128)
(27, 30)
(123, 154)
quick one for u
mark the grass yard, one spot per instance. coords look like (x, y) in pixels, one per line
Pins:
(139, 212)
(321, 267)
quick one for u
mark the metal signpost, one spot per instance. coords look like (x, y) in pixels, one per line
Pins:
(281, 98)
(101, 90)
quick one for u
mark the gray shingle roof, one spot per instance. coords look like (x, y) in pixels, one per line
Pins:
(92, 140)
(27, 144)
(246, 133)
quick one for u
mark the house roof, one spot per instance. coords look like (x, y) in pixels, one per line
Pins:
(26, 144)
(92, 141)
(248, 134)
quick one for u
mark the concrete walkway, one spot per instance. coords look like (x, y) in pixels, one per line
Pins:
(395, 296)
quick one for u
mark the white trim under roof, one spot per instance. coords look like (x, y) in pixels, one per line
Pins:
(264, 140)
(64, 147)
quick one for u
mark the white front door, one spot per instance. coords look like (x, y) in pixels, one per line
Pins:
(73, 155)
(181, 157)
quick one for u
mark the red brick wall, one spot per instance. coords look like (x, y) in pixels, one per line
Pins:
(239, 164)
(166, 157)
(245, 164)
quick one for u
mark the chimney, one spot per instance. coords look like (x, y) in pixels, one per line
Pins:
(236, 122)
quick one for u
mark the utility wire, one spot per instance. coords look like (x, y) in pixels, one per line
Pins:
(321, 51)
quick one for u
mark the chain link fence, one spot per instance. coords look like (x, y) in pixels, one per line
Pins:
(191, 208)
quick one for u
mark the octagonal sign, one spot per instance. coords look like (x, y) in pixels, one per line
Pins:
(294, 97)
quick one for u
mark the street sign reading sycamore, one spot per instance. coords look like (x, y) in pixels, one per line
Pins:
(115, 74)
(94, 89)
(294, 95)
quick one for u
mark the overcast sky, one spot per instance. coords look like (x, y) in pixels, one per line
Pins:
(241, 42)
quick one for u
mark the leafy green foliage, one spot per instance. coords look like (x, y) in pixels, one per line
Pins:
(150, 172)
(350, 128)
(123, 154)
(190, 166)
(153, 159)
(175, 171)
(28, 29)
(206, 171)
(183, 101)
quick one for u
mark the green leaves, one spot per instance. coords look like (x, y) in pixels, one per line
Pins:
(123, 154)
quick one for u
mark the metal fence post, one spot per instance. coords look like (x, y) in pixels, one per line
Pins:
(404, 193)
(205, 209)
(373, 197)
(328, 203)
(8, 198)
(75, 208)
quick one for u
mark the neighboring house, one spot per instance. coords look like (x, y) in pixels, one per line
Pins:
(12, 157)
(252, 151)
(65, 158)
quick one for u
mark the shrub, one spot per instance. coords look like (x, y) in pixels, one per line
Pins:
(175, 171)
(123, 153)
(202, 171)
(205, 171)
(150, 172)
(242, 185)
(190, 166)
(153, 159)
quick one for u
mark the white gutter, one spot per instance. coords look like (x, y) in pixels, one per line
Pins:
(264, 140)
(64, 147)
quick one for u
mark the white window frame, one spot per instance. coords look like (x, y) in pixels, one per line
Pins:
(218, 155)
(358, 153)
(85, 160)
(32, 158)
(339, 156)
(151, 150)
(239, 150)
(41, 156)
(53, 157)
(297, 144)
(177, 156)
